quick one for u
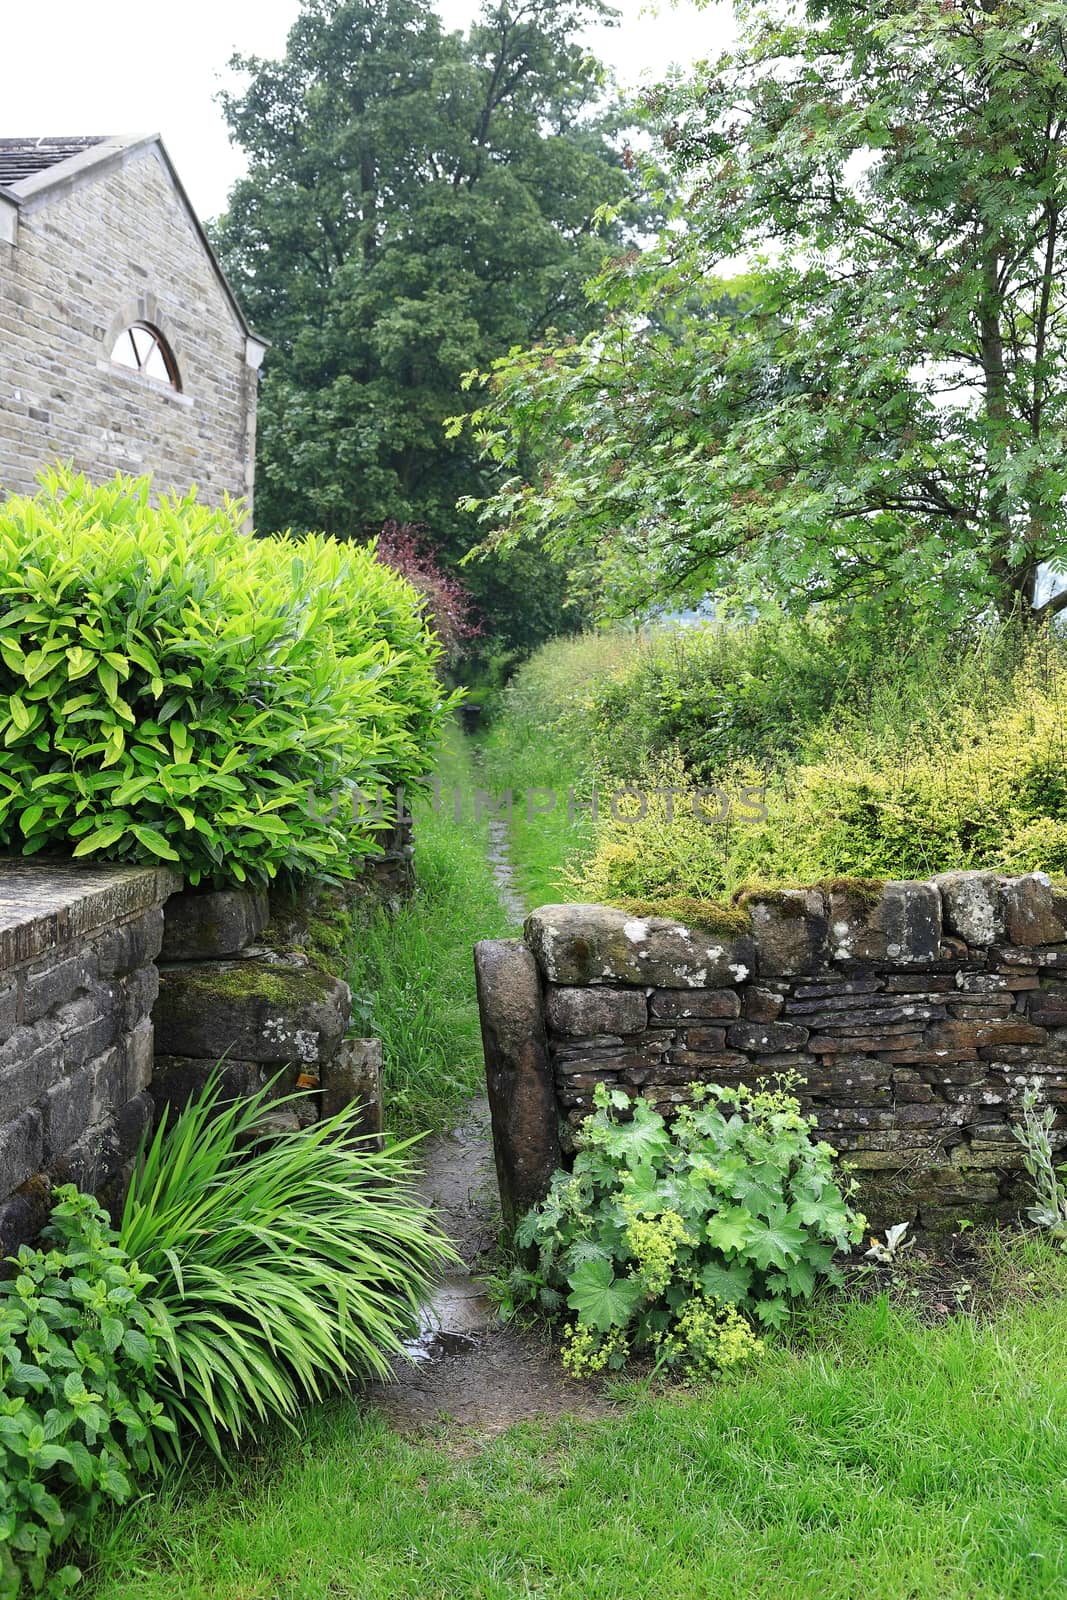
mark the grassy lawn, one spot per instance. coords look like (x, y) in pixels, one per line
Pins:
(879, 1458)
(872, 1456)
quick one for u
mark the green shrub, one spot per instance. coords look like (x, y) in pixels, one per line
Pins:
(763, 694)
(171, 690)
(80, 1346)
(283, 1267)
(990, 792)
(663, 1239)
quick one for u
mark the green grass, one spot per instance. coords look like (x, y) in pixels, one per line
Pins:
(886, 1460)
(547, 840)
(412, 972)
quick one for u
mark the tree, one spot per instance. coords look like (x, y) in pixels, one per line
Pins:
(417, 202)
(883, 416)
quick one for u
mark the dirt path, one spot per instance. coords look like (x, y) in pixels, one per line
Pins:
(467, 1366)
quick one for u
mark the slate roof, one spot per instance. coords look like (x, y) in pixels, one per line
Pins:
(22, 158)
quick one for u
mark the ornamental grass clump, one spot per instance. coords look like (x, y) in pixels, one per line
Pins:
(672, 1240)
(174, 691)
(284, 1267)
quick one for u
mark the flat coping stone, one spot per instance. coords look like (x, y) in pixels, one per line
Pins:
(48, 904)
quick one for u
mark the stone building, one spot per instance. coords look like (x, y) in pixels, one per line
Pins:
(122, 347)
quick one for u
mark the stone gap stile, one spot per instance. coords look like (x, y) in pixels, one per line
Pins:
(915, 1013)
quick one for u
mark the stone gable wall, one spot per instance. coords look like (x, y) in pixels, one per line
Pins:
(915, 1014)
(77, 986)
(114, 249)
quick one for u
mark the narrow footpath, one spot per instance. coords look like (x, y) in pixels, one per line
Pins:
(467, 1366)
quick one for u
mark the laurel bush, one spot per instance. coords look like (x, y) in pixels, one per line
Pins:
(174, 691)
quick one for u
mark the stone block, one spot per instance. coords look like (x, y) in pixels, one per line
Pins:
(696, 1005)
(842, 988)
(583, 944)
(1047, 1006)
(130, 944)
(9, 994)
(70, 1107)
(47, 985)
(30, 1061)
(109, 1075)
(204, 926)
(704, 1038)
(584, 1011)
(48, 907)
(89, 1025)
(761, 1005)
(566, 1064)
(21, 1149)
(140, 991)
(908, 1012)
(178, 1079)
(139, 1051)
(972, 907)
(790, 927)
(704, 1064)
(752, 1036)
(902, 924)
(865, 1041)
(354, 1077)
(252, 1011)
(1029, 911)
(23, 1215)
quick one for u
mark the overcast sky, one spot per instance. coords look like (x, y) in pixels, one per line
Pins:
(133, 66)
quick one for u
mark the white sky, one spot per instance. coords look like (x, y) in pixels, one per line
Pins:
(140, 66)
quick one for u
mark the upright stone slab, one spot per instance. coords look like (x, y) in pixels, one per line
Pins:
(518, 1074)
(791, 930)
(354, 1077)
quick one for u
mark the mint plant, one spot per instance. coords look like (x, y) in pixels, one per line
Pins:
(79, 1348)
(671, 1240)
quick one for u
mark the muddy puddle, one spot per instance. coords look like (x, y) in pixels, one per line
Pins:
(465, 1366)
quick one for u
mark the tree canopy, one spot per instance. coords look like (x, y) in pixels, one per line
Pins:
(417, 201)
(882, 416)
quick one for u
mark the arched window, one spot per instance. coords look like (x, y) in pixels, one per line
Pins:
(143, 349)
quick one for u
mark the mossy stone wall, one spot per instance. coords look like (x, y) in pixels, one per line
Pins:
(913, 1015)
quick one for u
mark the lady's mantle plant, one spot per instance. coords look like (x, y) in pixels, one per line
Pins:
(79, 1347)
(670, 1240)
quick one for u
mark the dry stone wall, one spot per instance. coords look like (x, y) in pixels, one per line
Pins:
(77, 986)
(121, 992)
(915, 1014)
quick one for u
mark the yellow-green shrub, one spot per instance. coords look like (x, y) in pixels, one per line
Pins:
(989, 792)
(172, 690)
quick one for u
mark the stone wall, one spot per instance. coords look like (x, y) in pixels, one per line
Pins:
(238, 989)
(77, 986)
(120, 993)
(915, 1014)
(119, 246)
